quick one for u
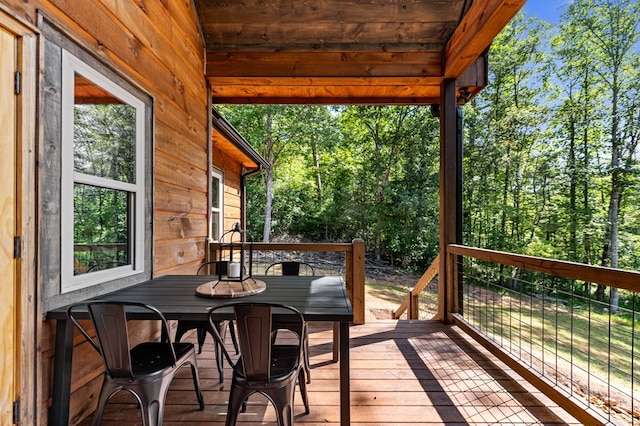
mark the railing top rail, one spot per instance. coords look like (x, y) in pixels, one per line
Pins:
(612, 277)
(335, 247)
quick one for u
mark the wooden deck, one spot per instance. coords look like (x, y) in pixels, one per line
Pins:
(402, 373)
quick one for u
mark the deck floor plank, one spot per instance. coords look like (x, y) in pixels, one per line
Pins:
(402, 373)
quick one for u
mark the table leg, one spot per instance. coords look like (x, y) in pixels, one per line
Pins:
(345, 399)
(61, 392)
(336, 341)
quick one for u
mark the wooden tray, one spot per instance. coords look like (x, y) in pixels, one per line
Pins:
(221, 289)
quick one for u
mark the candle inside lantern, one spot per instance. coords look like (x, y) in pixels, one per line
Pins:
(234, 270)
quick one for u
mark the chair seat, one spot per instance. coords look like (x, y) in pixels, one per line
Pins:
(284, 363)
(152, 357)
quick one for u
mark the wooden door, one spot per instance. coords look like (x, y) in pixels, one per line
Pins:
(8, 225)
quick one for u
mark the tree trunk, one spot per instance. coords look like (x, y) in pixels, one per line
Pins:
(316, 164)
(266, 231)
(616, 190)
(268, 176)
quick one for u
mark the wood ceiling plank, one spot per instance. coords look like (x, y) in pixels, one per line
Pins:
(429, 57)
(250, 35)
(317, 11)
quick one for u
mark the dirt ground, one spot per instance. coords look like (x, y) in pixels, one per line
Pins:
(376, 307)
(380, 304)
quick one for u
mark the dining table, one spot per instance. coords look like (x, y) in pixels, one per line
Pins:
(318, 298)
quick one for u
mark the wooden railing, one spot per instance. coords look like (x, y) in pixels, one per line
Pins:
(411, 302)
(354, 264)
(611, 277)
(549, 335)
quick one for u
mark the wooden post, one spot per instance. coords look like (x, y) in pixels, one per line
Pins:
(450, 206)
(357, 281)
(414, 308)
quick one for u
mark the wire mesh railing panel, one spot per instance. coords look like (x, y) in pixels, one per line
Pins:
(311, 262)
(428, 301)
(566, 331)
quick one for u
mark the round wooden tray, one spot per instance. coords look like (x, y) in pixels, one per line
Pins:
(221, 289)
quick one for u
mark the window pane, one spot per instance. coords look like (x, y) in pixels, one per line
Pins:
(104, 133)
(215, 225)
(101, 228)
(215, 192)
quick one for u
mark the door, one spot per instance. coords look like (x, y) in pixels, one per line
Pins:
(8, 225)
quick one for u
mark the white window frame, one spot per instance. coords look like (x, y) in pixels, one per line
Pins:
(219, 210)
(71, 65)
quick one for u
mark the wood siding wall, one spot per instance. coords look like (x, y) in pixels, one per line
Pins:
(157, 46)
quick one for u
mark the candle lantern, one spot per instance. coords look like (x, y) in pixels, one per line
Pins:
(234, 255)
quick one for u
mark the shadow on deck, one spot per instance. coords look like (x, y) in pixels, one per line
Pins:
(402, 373)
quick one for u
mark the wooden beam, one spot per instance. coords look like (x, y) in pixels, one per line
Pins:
(325, 64)
(475, 33)
(330, 91)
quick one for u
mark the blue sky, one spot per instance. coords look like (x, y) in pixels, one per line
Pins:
(547, 10)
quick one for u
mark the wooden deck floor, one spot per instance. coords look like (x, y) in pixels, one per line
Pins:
(402, 373)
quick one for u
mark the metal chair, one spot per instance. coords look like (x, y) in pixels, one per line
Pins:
(145, 370)
(203, 327)
(264, 366)
(294, 268)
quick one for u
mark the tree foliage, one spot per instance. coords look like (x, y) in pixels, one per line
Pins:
(550, 153)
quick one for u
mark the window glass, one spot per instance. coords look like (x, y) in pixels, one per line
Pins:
(104, 138)
(217, 191)
(102, 228)
(102, 188)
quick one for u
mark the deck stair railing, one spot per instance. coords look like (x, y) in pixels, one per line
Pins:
(411, 304)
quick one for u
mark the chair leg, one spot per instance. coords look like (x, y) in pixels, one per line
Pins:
(105, 392)
(232, 332)
(282, 399)
(202, 335)
(303, 391)
(196, 385)
(237, 402)
(221, 328)
(305, 348)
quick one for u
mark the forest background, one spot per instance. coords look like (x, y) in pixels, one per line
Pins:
(550, 164)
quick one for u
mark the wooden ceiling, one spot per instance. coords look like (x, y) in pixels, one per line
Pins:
(348, 51)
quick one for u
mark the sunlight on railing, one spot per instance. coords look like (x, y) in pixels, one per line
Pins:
(558, 329)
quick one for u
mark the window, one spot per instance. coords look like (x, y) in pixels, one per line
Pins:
(103, 178)
(217, 199)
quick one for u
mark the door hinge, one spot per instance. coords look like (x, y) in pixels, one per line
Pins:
(16, 411)
(16, 247)
(17, 82)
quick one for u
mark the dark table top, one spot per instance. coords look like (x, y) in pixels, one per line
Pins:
(317, 298)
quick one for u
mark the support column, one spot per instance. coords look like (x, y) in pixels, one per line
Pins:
(450, 195)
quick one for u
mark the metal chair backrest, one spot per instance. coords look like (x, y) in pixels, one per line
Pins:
(109, 321)
(254, 327)
(218, 267)
(291, 268)
(253, 324)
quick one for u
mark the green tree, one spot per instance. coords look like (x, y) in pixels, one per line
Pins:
(507, 157)
(611, 31)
